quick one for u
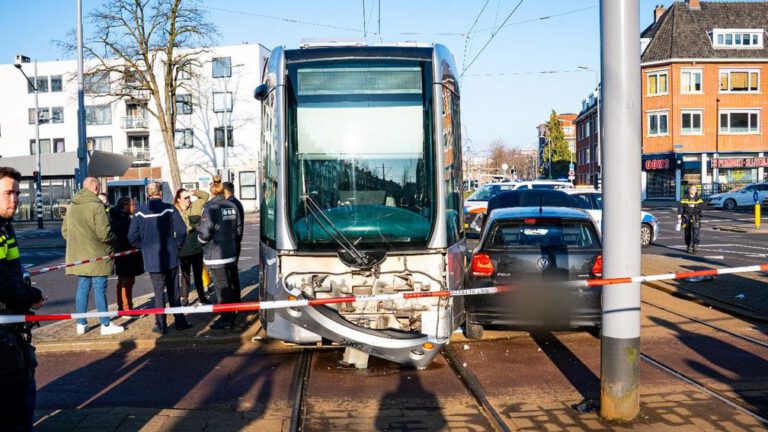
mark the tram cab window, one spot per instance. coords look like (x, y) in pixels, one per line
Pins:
(359, 147)
(452, 173)
(269, 172)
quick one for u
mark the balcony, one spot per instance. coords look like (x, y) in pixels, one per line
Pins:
(141, 156)
(135, 122)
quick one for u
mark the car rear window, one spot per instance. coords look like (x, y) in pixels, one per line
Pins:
(538, 233)
(583, 201)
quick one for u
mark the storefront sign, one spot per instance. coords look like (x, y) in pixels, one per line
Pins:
(740, 163)
(651, 163)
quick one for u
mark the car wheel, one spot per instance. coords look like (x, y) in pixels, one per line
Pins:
(473, 331)
(729, 204)
(646, 234)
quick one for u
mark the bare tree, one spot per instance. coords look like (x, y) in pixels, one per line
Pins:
(148, 48)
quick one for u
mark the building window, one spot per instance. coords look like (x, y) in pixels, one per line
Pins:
(96, 83)
(184, 139)
(218, 137)
(183, 72)
(740, 122)
(691, 123)
(99, 143)
(690, 81)
(747, 80)
(42, 85)
(737, 38)
(58, 145)
(183, 104)
(43, 115)
(56, 83)
(586, 129)
(247, 185)
(222, 102)
(57, 115)
(191, 186)
(45, 146)
(657, 83)
(222, 67)
(98, 115)
(657, 123)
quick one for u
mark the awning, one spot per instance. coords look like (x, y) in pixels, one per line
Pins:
(101, 164)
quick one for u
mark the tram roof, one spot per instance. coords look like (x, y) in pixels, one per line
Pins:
(321, 52)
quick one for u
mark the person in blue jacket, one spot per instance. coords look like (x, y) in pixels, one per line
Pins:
(159, 232)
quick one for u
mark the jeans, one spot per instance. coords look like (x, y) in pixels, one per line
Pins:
(99, 296)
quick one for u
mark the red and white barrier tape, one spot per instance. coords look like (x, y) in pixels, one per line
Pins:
(283, 304)
(41, 270)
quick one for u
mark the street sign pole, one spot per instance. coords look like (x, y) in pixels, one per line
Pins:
(620, 340)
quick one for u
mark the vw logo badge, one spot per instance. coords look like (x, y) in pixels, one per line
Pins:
(543, 263)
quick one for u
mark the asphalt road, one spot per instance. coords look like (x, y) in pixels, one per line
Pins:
(721, 247)
(60, 288)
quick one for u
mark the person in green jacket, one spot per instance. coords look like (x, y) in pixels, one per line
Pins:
(191, 254)
(87, 232)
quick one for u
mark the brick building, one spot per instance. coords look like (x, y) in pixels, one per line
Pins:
(588, 143)
(703, 101)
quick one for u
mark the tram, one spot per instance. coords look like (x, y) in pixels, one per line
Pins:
(361, 186)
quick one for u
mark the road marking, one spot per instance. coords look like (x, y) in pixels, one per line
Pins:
(719, 257)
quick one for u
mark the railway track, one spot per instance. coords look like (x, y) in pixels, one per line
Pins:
(735, 403)
(299, 390)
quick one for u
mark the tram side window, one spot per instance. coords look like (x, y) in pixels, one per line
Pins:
(268, 169)
(452, 174)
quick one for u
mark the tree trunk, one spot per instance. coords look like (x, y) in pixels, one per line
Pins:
(173, 162)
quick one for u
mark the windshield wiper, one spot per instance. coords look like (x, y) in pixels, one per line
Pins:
(360, 258)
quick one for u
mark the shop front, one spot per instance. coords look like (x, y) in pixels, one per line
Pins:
(738, 169)
(659, 170)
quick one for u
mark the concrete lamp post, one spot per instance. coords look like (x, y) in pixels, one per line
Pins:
(19, 62)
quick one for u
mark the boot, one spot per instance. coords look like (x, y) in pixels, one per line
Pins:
(688, 248)
(693, 250)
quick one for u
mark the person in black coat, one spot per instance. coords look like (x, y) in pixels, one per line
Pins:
(126, 267)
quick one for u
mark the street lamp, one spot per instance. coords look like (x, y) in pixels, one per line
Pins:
(18, 62)
(598, 128)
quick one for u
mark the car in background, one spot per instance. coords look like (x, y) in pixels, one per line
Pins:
(477, 203)
(592, 201)
(739, 197)
(532, 249)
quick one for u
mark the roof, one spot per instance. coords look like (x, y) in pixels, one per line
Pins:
(682, 33)
(549, 212)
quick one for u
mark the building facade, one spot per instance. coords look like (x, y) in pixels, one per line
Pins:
(215, 107)
(703, 86)
(569, 131)
(588, 143)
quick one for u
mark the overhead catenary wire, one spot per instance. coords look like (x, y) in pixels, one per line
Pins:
(541, 72)
(472, 27)
(493, 36)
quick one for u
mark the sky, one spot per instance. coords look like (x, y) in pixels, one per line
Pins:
(527, 69)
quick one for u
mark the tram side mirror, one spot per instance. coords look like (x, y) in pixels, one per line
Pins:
(261, 92)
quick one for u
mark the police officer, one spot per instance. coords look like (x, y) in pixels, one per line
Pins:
(689, 216)
(17, 296)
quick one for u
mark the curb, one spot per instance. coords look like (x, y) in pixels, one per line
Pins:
(737, 229)
(706, 300)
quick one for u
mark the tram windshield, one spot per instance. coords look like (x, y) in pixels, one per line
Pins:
(359, 152)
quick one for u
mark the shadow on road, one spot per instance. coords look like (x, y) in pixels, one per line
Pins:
(578, 374)
(410, 395)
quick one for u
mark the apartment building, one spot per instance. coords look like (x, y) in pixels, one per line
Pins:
(703, 68)
(216, 109)
(588, 143)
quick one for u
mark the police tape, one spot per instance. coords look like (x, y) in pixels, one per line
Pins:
(294, 303)
(37, 271)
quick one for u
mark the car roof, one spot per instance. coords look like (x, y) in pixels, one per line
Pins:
(578, 191)
(549, 212)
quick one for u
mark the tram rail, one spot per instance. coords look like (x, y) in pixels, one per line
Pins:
(299, 389)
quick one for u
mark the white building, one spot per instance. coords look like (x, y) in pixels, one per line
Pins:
(222, 98)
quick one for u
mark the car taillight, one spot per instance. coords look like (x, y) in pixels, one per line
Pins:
(482, 265)
(597, 267)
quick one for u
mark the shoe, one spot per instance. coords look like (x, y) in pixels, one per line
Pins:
(111, 329)
(688, 249)
(158, 330)
(81, 329)
(184, 301)
(221, 325)
(693, 250)
(183, 326)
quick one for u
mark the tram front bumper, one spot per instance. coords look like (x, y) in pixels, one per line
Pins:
(408, 348)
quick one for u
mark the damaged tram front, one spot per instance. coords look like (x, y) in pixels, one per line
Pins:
(362, 195)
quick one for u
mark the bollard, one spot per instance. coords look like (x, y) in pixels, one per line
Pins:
(757, 216)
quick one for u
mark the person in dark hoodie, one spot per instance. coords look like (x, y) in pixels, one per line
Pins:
(218, 233)
(159, 231)
(130, 266)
